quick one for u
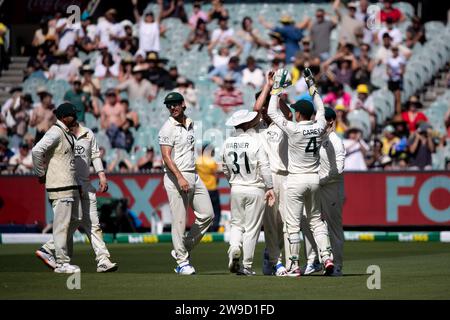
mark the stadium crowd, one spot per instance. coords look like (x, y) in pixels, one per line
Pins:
(127, 55)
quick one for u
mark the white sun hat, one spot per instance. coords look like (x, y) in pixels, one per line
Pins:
(240, 117)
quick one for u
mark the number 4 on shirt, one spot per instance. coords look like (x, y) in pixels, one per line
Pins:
(312, 145)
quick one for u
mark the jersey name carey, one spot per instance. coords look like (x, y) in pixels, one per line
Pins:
(308, 132)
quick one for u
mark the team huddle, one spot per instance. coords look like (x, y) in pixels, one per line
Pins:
(284, 174)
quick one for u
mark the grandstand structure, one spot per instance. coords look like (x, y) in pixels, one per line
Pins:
(424, 76)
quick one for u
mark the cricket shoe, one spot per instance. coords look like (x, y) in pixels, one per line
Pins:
(329, 267)
(185, 269)
(267, 266)
(246, 272)
(67, 268)
(46, 257)
(280, 270)
(294, 272)
(233, 262)
(106, 265)
(312, 268)
(337, 272)
(173, 253)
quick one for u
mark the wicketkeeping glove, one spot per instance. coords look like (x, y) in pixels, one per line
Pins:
(309, 78)
(282, 80)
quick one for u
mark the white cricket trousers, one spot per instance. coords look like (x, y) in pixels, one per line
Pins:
(303, 193)
(65, 213)
(331, 202)
(198, 199)
(275, 233)
(247, 211)
(88, 219)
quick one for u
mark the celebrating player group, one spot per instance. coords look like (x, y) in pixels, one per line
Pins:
(285, 175)
(284, 164)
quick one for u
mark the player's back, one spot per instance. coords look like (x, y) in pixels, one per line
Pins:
(241, 160)
(304, 145)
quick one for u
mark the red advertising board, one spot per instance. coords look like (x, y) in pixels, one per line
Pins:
(372, 199)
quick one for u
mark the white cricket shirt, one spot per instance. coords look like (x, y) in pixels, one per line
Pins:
(275, 143)
(332, 158)
(86, 151)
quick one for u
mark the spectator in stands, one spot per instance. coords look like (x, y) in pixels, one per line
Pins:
(113, 113)
(132, 116)
(102, 151)
(13, 101)
(80, 99)
(125, 70)
(145, 163)
(275, 47)
(384, 52)
(248, 36)
(395, 68)
(197, 15)
(421, 147)
(365, 65)
(413, 116)
(21, 163)
(320, 33)
(218, 10)
(232, 68)
(342, 124)
(137, 87)
(18, 117)
(42, 116)
(130, 42)
(375, 159)
(120, 163)
(389, 140)
(361, 11)
(173, 9)
(207, 169)
(342, 65)
(252, 75)
(149, 29)
(302, 60)
(107, 68)
(415, 33)
(221, 36)
(4, 56)
(62, 69)
(187, 90)
(199, 35)
(351, 28)
(395, 34)
(5, 154)
(110, 33)
(3, 126)
(338, 96)
(389, 11)
(43, 33)
(41, 61)
(173, 77)
(157, 75)
(364, 101)
(68, 32)
(291, 32)
(89, 84)
(356, 149)
(228, 97)
(72, 58)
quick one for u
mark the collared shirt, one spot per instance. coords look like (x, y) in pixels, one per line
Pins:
(182, 140)
(86, 151)
(332, 159)
(275, 143)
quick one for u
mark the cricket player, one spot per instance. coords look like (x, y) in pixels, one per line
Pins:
(304, 140)
(54, 164)
(275, 143)
(86, 153)
(332, 158)
(246, 166)
(182, 183)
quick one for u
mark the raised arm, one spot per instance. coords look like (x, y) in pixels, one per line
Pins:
(136, 14)
(277, 117)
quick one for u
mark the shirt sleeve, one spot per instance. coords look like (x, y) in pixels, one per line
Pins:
(48, 142)
(320, 115)
(166, 136)
(264, 167)
(225, 169)
(95, 155)
(278, 118)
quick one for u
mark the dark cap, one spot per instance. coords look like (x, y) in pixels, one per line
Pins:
(65, 109)
(173, 98)
(330, 114)
(305, 107)
(27, 97)
(15, 89)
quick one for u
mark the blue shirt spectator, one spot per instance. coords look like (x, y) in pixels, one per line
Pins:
(231, 69)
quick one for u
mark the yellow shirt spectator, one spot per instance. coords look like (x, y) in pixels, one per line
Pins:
(207, 168)
(3, 31)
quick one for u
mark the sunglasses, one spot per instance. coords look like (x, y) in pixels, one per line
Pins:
(173, 106)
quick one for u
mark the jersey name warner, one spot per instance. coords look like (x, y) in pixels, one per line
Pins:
(237, 145)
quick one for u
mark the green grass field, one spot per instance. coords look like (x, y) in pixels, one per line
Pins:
(408, 271)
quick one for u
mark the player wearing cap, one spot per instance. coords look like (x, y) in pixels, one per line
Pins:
(332, 158)
(182, 183)
(54, 164)
(275, 143)
(304, 140)
(86, 153)
(246, 166)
